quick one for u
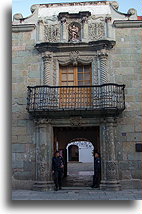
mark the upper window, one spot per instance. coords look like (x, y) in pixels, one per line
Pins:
(75, 75)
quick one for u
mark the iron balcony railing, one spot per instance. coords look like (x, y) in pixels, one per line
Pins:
(56, 98)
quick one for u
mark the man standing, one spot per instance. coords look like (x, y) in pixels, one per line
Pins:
(57, 170)
(97, 170)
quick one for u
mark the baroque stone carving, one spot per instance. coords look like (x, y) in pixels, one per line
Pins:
(103, 55)
(111, 170)
(96, 31)
(74, 57)
(131, 11)
(41, 121)
(33, 8)
(93, 17)
(18, 16)
(75, 121)
(115, 4)
(74, 32)
(54, 71)
(50, 19)
(52, 33)
(46, 68)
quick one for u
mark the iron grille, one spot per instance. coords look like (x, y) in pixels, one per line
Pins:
(57, 98)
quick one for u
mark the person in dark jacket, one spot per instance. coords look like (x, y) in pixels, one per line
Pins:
(97, 170)
(57, 170)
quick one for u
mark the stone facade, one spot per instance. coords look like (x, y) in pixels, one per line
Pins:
(76, 33)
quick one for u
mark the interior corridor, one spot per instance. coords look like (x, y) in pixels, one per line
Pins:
(79, 174)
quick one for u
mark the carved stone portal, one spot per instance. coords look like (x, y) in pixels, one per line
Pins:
(110, 177)
(44, 150)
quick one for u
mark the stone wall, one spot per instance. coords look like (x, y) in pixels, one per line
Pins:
(25, 71)
(125, 68)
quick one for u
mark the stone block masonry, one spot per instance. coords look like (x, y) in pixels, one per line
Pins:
(119, 62)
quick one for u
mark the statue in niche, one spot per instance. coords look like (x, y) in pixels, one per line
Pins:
(74, 32)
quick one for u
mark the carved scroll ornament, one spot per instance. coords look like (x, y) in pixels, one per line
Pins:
(52, 33)
(96, 31)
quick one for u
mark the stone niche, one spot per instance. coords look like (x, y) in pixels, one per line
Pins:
(73, 27)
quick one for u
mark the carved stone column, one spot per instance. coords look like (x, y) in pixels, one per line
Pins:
(109, 172)
(95, 79)
(44, 152)
(103, 66)
(47, 75)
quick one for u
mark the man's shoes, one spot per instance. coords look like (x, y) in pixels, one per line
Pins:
(94, 186)
(56, 188)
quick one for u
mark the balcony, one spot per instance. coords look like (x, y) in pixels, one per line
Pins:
(61, 101)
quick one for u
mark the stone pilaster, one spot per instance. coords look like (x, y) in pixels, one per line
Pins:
(109, 173)
(95, 79)
(103, 66)
(47, 69)
(63, 29)
(84, 29)
(108, 26)
(40, 31)
(44, 152)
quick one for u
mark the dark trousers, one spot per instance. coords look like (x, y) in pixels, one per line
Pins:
(58, 174)
(96, 178)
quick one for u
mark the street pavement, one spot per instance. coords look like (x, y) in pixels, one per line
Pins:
(77, 187)
(70, 193)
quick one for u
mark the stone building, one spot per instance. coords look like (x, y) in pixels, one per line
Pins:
(76, 76)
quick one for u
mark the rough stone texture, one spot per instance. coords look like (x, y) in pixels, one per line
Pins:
(25, 71)
(28, 69)
(127, 55)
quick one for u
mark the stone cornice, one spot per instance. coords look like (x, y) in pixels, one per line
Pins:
(75, 4)
(23, 27)
(74, 15)
(80, 46)
(127, 23)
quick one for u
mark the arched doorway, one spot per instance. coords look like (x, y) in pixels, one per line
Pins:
(80, 163)
(83, 150)
(73, 153)
(78, 173)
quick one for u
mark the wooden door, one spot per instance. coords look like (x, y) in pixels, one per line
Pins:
(75, 97)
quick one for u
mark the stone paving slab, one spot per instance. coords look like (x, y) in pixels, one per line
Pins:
(79, 194)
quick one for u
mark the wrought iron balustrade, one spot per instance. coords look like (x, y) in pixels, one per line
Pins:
(57, 98)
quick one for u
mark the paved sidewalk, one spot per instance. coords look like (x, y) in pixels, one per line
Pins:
(77, 194)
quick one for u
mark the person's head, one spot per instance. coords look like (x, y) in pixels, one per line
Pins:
(97, 155)
(57, 154)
